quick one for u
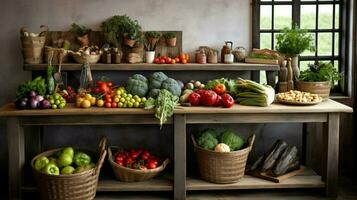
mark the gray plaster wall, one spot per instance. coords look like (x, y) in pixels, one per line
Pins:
(203, 22)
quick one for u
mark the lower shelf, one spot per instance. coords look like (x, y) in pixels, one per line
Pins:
(307, 179)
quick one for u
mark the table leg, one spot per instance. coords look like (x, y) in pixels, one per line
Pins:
(15, 135)
(332, 154)
(180, 157)
(271, 79)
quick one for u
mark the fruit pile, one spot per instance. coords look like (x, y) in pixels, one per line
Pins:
(183, 58)
(137, 159)
(69, 94)
(64, 162)
(87, 100)
(56, 100)
(122, 99)
(33, 101)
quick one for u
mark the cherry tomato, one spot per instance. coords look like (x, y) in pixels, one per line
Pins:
(99, 83)
(108, 105)
(177, 60)
(104, 87)
(151, 165)
(168, 60)
(157, 60)
(134, 154)
(114, 105)
(182, 56)
(129, 160)
(220, 88)
(120, 163)
(162, 61)
(183, 61)
(227, 100)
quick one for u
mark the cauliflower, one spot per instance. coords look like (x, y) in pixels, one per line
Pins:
(221, 147)
(232, 140)
(172, 86)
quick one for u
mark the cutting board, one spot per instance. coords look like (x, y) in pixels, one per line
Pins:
(277, 179)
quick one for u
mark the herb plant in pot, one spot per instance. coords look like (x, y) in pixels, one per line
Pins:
(319, 78)
(152, 37)
(293, 42)
(170, 39)
(133, 32)
(150, 51)
(82, 34)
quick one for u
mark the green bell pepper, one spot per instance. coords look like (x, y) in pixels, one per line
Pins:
(83, 168)
(41, 162)
(81, 158)
(67, 170)
(51, 169)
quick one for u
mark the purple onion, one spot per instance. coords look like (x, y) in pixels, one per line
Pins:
(32, 94)
(34, 103)
(180, 83)
(39, 98)
(45, 104)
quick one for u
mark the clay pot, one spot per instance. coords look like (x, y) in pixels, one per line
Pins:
(320, 88)
(129, 42)
(171, 42)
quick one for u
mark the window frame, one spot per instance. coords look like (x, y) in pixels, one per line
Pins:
(345, 42)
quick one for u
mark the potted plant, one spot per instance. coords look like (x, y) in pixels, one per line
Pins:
(293, 42)
(170, 39)
(319, 78)
(119, 27)
(150, 52)
(132, 33)
(152, 37)
(82, 34)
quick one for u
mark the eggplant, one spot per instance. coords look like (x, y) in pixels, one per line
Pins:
(272, 155)
(21, 104)
(257, 164)
(288, 161)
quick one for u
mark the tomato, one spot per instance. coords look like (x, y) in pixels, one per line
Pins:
(97, 90)
(129, 160)
(182, 56)
(151, 165)
(108, 105)
(168, 60)
(220, 88)
(219, 101)
(183, 61)
(153, 160)
(173, 61)
(120, 158)
(177, 60)
(209, 98)
(194, 99)
(157, 60)
(107, 96)
(162, 61)
(110, 84)
(145, 155)
(104, 87)
(134, 154)
(228, 100)
(114, 105)
(99, 83)
(120, 163)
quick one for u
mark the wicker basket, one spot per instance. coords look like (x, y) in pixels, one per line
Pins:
(132, 175)
(222, 167)
(81, 186)
(32, 47)
(56, 54)
(91, 59)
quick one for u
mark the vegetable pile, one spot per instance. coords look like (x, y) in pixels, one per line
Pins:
(251, 93)
(226, 141)
(64, 162)
(137, 159)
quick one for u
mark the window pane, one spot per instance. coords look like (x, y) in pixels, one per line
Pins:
(337, 16)
(282, 16)
(325, 16)
(308, 17)
(310, 53)
(263, 77)
(265, 17)
(304, 65)
(337, 39)
(265, 40)
(324, 44)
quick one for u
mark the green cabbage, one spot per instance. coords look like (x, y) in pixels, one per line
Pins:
(232, 140)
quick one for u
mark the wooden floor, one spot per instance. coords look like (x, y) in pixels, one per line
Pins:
(347, 191)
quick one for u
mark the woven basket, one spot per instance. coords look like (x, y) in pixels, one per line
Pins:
(56, 53)
(81, 186)
(91, 59)
(32, 47)
(222, 167)
(132, 175)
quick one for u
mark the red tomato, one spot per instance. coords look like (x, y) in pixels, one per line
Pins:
(153, 160)
(183, 61)
(119, 158)
(145, 155)
(110, 84)
(157, 60)
(108, 96)
(173, 61)
(162, 61)
(120, 163)
(129, 160)
(108, 105)
(114, 105)
(228, 100)
(96, 90)
(151, 165)
(168, 60)
(182, 56)
(219, 101)
(99, 83)
(209, 98)
(109, 100)
(194, 99)
(134, 154)
(177, 60)
(220, 88)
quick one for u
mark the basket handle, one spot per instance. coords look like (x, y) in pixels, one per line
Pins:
(100, 161)
(45, 30)
(102, 144)
(251, 141)
(166, 162)
(23, 30)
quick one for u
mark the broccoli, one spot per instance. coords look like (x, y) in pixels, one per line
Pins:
(156, 79)
(232, 140)
(137, 85)
(172, 86)
(154, 93)
(207, 139)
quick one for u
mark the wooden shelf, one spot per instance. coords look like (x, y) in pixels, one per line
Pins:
(307, 179)
(111, 185)
(162, 67)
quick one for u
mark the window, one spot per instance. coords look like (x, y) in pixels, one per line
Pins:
(322, 18)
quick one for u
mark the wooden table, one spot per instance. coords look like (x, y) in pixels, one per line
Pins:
(327, 112)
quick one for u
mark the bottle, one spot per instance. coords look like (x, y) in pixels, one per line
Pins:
(226, 49)
(229, 57)
(290, 76)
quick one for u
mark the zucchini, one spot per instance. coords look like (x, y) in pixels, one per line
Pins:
(272, 155)
(288, 161)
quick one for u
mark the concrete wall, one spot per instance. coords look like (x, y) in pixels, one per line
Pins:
(203, 22)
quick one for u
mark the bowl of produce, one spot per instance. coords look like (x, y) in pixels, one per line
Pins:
(218, 154)
(89, 55)
(62, 173)
(135, 164)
